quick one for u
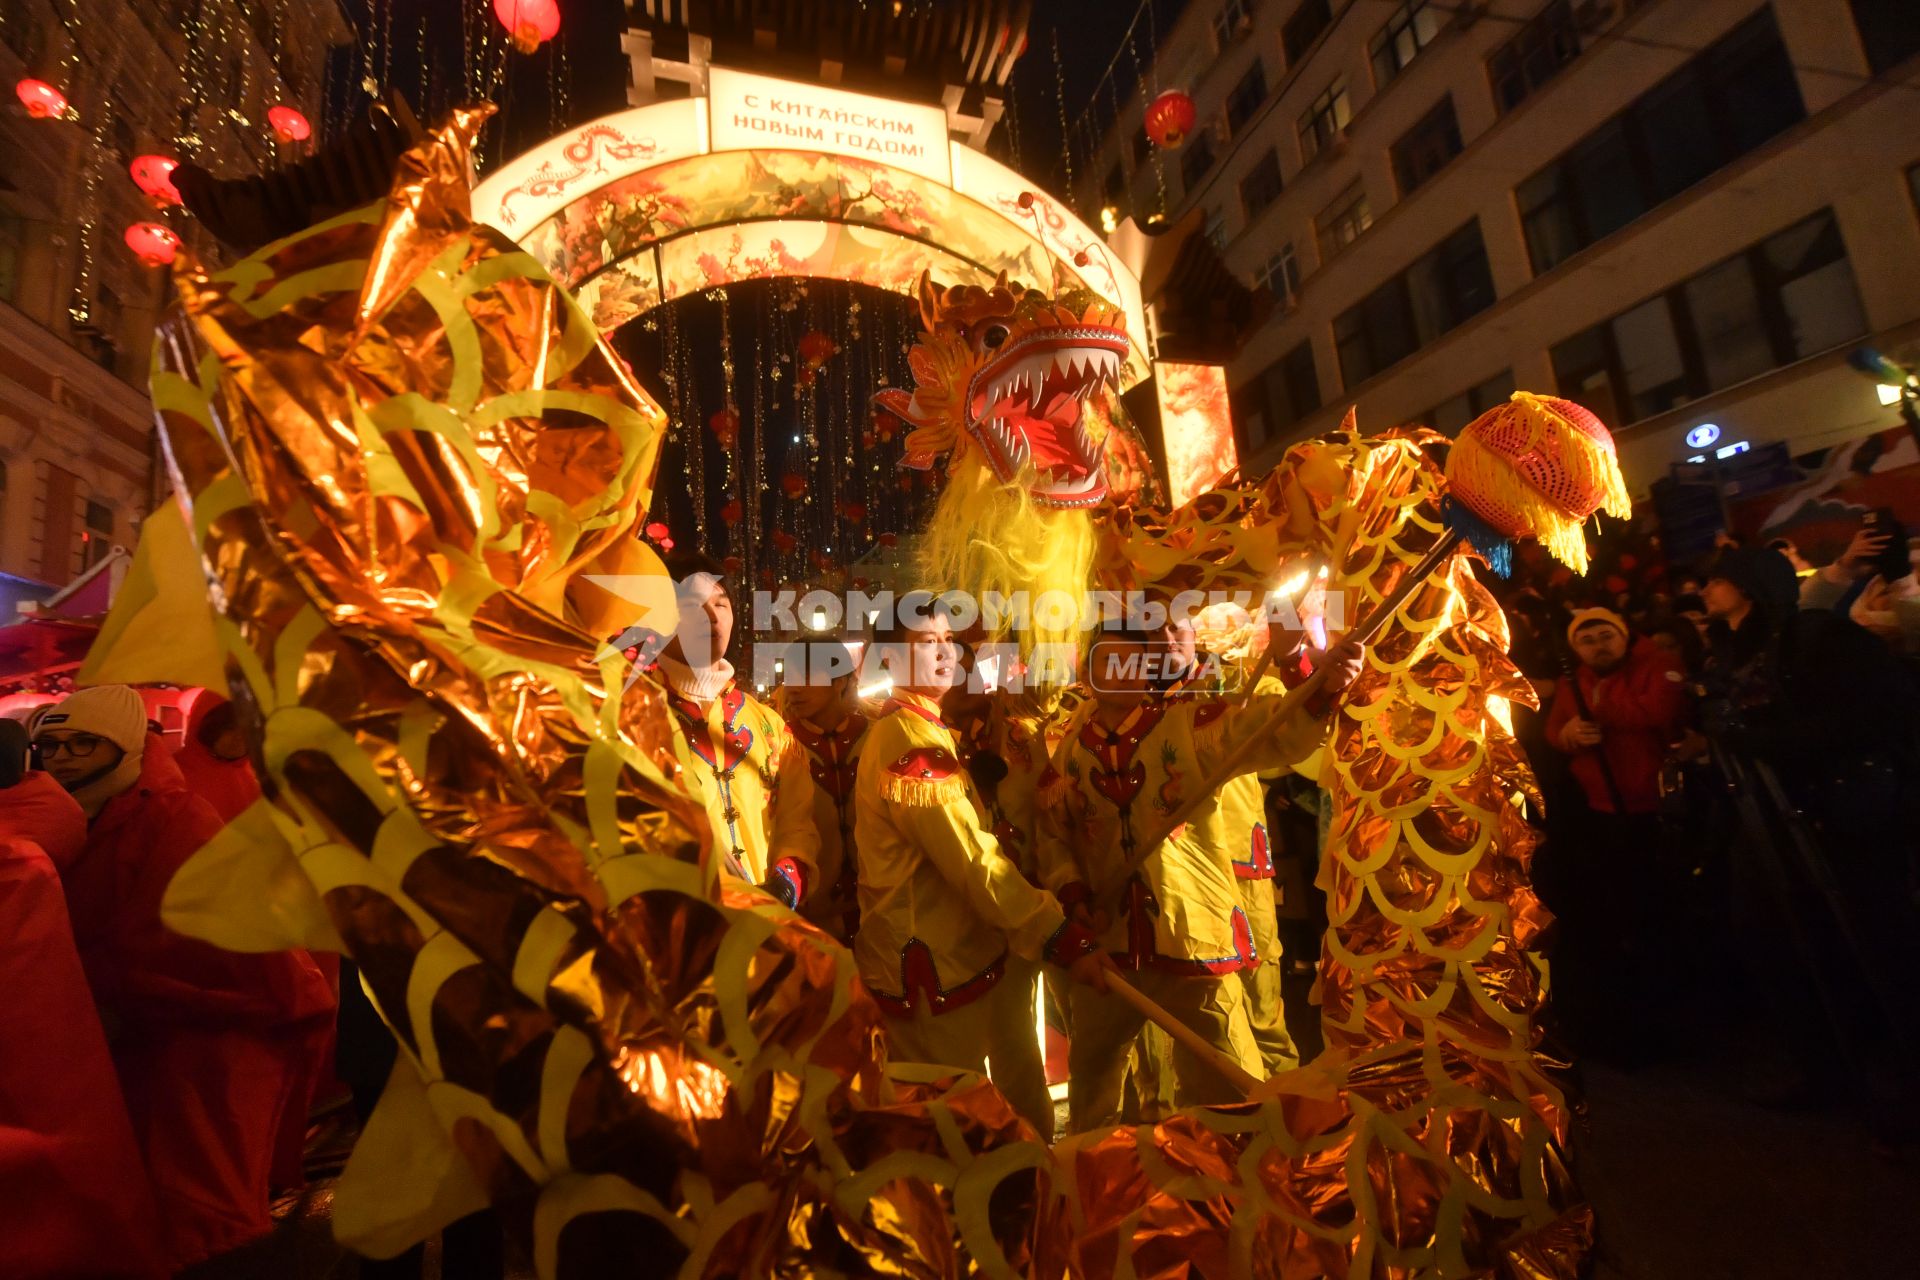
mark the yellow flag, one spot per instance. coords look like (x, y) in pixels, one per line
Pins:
(159, 629)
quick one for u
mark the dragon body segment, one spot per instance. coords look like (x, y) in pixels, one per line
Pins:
(631, 1059)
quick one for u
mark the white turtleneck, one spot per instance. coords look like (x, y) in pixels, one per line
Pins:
(701, 684)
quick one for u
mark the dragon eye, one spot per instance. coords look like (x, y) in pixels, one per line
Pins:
(993, 335)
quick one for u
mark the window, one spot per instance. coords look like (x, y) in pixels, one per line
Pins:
(1280, 274)
(1216, 230)
(1786, 298)
(1284, 393)
(1232, 22)
(1262, 185)
(1341, 222)
(1448, 285)
(1411, 29)
(1737, 94)
(13, 244)
(1534, 55)
(1449, 417)
(97, 538)
(1425, 149)
(1247, 96)
(1304, 27)
(1887, 31)
(1322, 122)
(1197, 158)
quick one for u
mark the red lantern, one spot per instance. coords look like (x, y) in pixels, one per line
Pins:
(657, 531)
(859, 584)
(725, 426)
(905, 481)
(152, 243)
(855, 512)
(888, 539)
(1170, 118)
(530, 22)
(154, 176)
(730, 513)
(288, 125)
(816, 348)
(42, 100)
(783, 541)
(793, 484)
(731, 564)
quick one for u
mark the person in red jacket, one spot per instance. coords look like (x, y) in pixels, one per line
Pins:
(211, 1047)
(1616, 715)
(1619, 876)
(74, 1199)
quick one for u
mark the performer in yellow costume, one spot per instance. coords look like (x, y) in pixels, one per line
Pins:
(941, 907)
(744, 761)
(1179, 922)
(1002, 745)
(823, 713)
(1243, 815)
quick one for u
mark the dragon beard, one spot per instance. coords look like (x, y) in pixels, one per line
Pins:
(991, 537)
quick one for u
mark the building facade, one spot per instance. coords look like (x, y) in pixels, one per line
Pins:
(183, 78)
(1685, 214)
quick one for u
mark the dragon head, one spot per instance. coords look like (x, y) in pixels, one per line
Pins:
(1007, 371)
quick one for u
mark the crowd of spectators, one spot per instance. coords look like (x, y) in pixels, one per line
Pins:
(1722, 745)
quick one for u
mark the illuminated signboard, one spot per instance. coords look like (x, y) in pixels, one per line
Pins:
(1196, 427)
(746, 112)
(1703, 435)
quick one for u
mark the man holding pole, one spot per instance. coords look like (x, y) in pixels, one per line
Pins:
(942, 907)
(1133, 841)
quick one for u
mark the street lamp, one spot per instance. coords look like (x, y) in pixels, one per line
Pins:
(1894, 384)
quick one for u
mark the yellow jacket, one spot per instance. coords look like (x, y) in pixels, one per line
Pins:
(1243, 800)
(939, 903)
(753, 776)
(1016, 735)
(833, 757)
(1108, 789)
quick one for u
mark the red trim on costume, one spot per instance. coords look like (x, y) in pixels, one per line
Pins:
(933, 718)
(1259, 863)
(920, 984)
(1069, 943)
(795, 874)
(929, 764)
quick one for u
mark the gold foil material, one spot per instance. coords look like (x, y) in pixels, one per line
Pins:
(405, 455)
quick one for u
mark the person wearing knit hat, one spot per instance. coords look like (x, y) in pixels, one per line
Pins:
(212, 1047)
(1584, 618)
(93, 742)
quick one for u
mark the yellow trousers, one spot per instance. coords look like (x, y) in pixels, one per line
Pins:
(993, 1036)
(1266, 1010)
(1106, 1027)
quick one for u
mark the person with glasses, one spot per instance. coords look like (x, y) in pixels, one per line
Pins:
(213, 1048)
(86, 1209)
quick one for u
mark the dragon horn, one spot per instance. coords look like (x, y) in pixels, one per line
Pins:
(929, 301)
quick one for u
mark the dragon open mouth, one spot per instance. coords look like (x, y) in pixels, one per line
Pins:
(1024, 407)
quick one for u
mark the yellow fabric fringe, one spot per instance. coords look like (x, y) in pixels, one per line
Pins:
(923, 793)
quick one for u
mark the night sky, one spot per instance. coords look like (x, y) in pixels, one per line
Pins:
(433, 52)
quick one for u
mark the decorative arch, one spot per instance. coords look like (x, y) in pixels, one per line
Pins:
(638, 208)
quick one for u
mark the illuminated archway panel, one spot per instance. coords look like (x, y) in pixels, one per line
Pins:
(604, 204)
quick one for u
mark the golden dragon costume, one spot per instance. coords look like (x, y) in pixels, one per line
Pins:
(401, 449)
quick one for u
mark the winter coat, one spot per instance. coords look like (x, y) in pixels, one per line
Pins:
(214, 1049)
(1641, 708)
(74, 1195)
